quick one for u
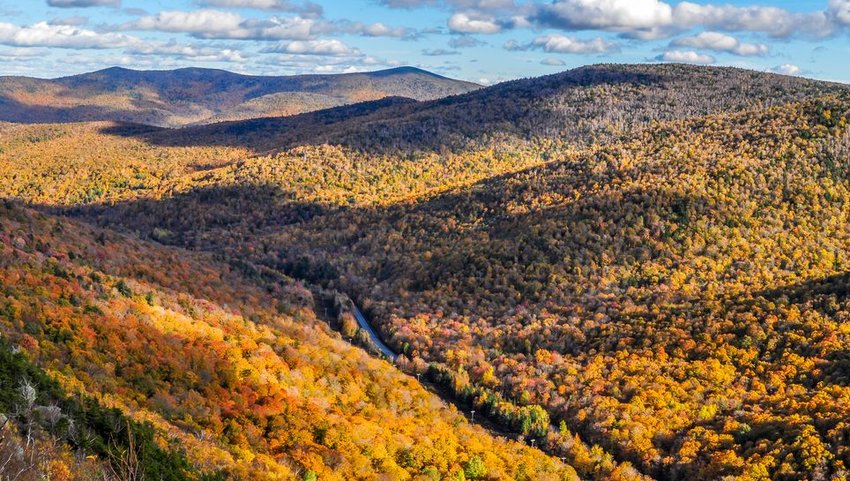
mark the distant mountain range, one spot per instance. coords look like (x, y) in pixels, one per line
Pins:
(172, 98)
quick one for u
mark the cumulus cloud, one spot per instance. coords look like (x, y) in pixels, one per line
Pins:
(473, 23)
(203, 22)
(774, 21)
(616, 15)
(43, 34)
(787, 69)
(563, 44)
(679, 56)
(83, 3)
(333, 48)
(465, 4)
(327, 64)
(651, 19)
(840, 11)
(514, 46)
(198, 53)
(721, 43)
(215, 24)
(306, 8)
(377, 29)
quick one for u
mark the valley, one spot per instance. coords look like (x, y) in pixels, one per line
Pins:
(639, 269)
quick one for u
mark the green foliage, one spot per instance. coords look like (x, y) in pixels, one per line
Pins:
(475, 468)
(105, 427)
(123, 288)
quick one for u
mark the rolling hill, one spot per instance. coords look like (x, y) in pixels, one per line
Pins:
(654, 258)
(583, 106)
(187, 96)
(203, 370)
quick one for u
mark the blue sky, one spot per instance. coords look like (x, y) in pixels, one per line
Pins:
(483, 41)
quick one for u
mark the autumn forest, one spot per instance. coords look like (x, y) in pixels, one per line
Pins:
(618, 272)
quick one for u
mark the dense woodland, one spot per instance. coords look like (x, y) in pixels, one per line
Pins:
(665, 281)
(585, 106)
(236, 379)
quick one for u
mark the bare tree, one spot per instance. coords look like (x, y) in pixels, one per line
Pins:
(126, 465)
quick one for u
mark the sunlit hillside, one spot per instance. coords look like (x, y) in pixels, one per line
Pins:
(227, 376)
(640, 269)
(192, 96)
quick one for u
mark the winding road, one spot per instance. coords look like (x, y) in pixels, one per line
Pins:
(364, 324)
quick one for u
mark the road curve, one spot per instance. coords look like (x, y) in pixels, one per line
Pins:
(364, 324)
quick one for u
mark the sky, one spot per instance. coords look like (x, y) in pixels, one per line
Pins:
(484, 41)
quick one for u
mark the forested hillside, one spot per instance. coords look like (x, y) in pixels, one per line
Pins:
(225, 377)
(652, 259)
(587, 105)
(191, 95)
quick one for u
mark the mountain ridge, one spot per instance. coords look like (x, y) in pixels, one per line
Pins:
(172, 98)
(587, 104)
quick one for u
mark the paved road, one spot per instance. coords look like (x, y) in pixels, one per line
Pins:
(364, 324)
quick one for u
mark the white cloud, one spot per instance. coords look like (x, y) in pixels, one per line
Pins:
(199, 53)
(43, 34)
(562, 44)
(466, 4)
(721, 43)
(652, 19)
(468, 23)
(613, 15)
(840, 11)
(83, 3)
(771, 20)
(206, 22)
(408, 3)
(215, 24)
(327, 64)
(679, 56)
(278, 28)
(377, 29)
(787, 69)
(514, 46)
(306, 8)
(333, 48)
(553, 62)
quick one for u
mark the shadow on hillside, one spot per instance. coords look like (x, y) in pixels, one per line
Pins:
(20, 113)
(519, 109)
(387, 243)
(204, 218)
(271, 133)
(828, 295)
(815, 290)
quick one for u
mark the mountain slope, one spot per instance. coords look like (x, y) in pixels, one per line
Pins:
(185, 96)
(235, 374)
(674, 291)
(580, 106)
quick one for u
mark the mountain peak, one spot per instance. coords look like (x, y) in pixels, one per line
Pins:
(405, 70)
